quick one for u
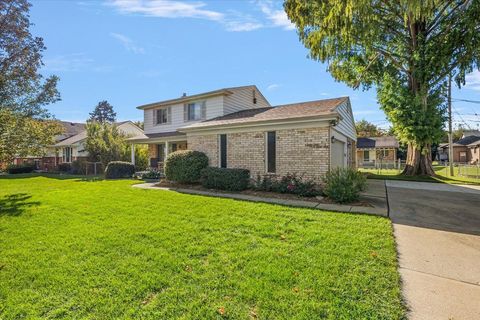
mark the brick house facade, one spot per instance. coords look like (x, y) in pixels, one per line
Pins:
(237, 128)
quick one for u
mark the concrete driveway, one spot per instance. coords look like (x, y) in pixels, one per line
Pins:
(437, 229)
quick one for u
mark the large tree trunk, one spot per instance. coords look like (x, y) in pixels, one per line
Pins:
(418, 162)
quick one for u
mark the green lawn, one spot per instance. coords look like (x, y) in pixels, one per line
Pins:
(71, 248)
(442, 172)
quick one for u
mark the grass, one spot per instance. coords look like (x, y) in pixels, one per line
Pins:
(442, 176)
(93, 249)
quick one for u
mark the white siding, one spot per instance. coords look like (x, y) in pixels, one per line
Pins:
(346, 125)
(214, 108)
(242, 98)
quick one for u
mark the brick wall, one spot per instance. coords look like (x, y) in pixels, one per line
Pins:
(207, 144)
(301, 151)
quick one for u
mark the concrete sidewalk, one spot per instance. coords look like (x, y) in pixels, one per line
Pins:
(437, 230)
(374, 195)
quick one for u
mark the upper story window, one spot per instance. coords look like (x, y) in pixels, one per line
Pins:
(162, 116)
(194, 111)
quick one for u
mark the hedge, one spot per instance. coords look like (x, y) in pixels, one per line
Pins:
(225, 179)
(119, 169)
(20, 168)
(65, 167)
(185, 166)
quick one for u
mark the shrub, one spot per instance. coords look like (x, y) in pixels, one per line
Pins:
(79, 166)
(344, 184)
(119, 169)
(185, 166)
(225, 179)
(20, 168)
(65, 167)
(291, 183)
(151, 174)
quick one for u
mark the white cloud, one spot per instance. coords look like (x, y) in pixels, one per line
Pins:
(67, 62)
(128, 43)
(167, 9)
(277, 17)
(231, 20)
(472, 80)
(273, 86)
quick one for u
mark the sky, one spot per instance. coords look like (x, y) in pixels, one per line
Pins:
(133, 52)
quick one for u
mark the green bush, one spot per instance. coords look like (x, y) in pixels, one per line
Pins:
(225, 179)
(185, 166)
(79, 166)
(119, 169)
(344, 184)
(151, 175)
(20, 168)
(65, 167)
(291, 183)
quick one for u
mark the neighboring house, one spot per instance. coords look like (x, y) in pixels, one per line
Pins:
(70, 146)
(465, 150)
(374, 151)
(238, 128)
(51, 158)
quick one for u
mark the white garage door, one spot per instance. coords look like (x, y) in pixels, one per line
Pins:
(338, 155)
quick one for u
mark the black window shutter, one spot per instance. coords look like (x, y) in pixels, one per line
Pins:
(271, 151)
(223, 150)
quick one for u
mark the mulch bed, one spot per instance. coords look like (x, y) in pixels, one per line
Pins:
(263, 194)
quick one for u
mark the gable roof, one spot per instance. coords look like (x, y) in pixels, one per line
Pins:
(223, 91)
(70, 129)
(377, 142)
(294, 111)
(467, 140)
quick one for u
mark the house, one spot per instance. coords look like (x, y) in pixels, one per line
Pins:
(50, 159)
(373, 151)
(465, 150)
(70, 145)
(238, 128)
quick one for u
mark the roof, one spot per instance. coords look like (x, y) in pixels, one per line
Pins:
(377, 142)
(70, 129)
(223, 91)
(467, 140)
(309, 109)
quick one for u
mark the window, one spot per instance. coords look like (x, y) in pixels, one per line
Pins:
(366, 155)
(162, 116)
(194, 111)
(174, 147)
(223, 151)
(271, 151)
(67, 154)
(384, 153)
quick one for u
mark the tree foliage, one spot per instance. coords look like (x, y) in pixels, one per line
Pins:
(104, 142)
(405, 48)
(103, 112)
(26, 127)
(367, 129)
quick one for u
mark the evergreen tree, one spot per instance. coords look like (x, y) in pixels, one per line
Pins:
(103, 112)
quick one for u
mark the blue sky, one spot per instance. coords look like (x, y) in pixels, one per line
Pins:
(132, 52)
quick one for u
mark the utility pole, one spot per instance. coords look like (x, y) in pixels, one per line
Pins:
(450, 133)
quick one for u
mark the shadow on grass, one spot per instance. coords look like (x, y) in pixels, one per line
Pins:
(15, 204)
(56, 176)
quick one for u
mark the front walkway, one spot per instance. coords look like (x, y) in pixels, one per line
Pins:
(437, 230)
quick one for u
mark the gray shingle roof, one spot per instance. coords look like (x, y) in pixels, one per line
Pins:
(282, 112)
(377, 142)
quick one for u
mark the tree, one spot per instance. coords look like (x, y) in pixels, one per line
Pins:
(26, 127)
(104, 142)
(103, 112)
(367, 129)
(405, 48)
